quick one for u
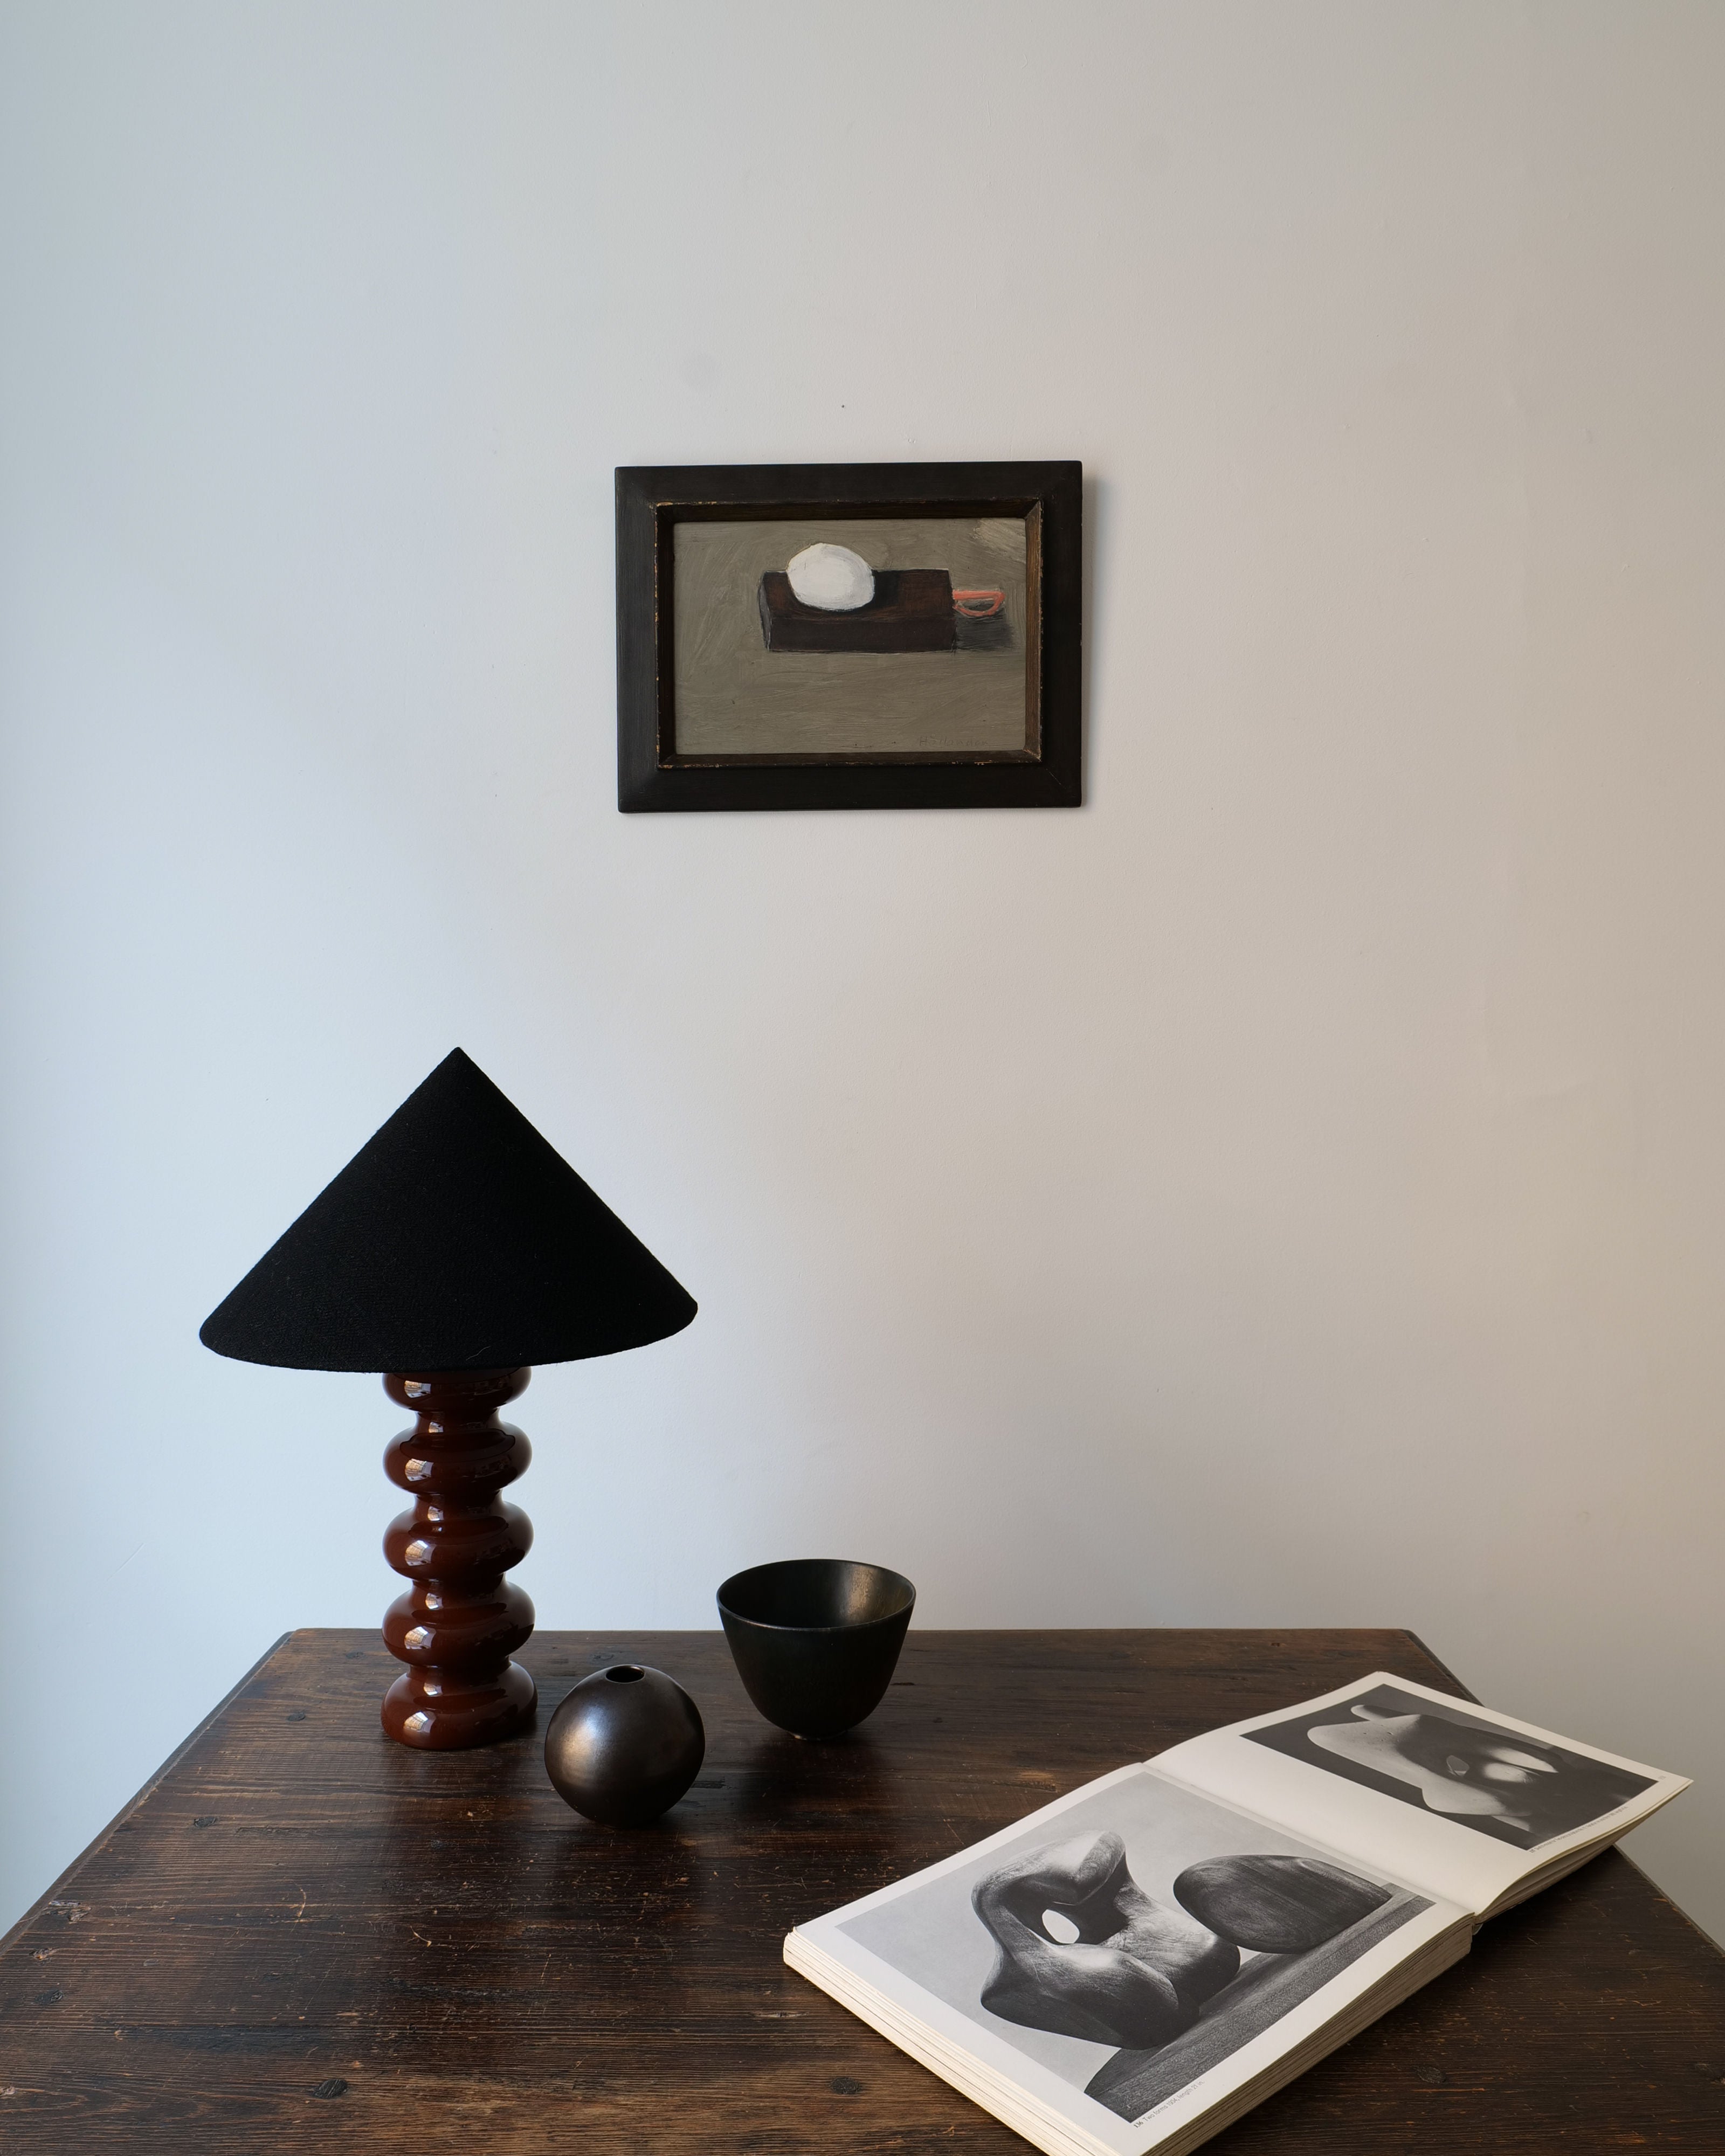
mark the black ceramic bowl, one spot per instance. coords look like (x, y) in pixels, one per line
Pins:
(816, 1639)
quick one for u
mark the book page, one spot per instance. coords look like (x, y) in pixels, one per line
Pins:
(1119, 1961)
(1469, 1804)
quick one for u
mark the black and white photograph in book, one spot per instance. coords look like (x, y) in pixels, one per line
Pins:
(1137, 1940)
(1496, 1781)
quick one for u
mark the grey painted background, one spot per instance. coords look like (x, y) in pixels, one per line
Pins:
(734, 696)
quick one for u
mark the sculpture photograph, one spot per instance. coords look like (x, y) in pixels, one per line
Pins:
(1133, 1943)
(1463, 1768)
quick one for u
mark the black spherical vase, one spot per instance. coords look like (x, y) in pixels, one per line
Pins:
(624, 1745)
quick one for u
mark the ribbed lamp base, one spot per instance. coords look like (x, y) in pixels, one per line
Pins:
(460, 1620)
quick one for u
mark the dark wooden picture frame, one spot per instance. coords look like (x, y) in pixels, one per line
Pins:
(1046, 773)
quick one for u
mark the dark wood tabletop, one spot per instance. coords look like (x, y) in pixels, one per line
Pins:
(300, 1935)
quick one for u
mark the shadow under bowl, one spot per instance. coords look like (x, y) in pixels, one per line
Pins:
(816, 1639)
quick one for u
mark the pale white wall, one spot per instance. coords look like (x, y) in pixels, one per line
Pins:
(1288, 1191)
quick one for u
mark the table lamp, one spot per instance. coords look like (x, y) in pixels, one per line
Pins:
(456, 1249)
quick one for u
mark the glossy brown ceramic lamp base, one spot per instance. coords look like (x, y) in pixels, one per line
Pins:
(458, 1622)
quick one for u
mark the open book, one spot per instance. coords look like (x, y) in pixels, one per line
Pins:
(1133, 1967)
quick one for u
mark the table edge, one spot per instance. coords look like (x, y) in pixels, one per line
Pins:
(139, 1797)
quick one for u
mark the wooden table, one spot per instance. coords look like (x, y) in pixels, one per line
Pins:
(300, 1936)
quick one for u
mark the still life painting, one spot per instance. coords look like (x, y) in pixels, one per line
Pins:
(841, 636)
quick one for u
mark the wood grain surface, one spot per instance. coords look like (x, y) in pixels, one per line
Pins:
(301, 1936)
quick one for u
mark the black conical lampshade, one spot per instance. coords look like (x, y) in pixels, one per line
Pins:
(455, 1239)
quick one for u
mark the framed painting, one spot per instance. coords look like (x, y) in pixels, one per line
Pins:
(848, 636)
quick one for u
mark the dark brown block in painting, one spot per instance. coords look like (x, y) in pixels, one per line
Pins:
(302, 1936)
(911, 611)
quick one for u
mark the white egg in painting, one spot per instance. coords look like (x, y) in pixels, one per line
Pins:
(831, 578)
